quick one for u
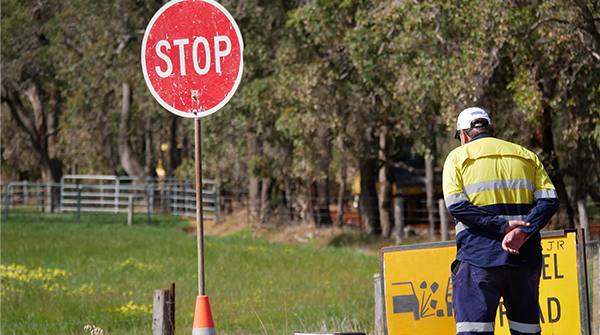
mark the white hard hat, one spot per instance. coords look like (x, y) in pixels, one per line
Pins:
(467, 116)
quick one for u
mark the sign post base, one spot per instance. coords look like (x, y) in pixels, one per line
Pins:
(203, 320)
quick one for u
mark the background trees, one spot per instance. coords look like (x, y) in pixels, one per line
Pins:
(332, 90)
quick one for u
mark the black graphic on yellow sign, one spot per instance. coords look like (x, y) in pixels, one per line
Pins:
(418, 289)
(426, 306)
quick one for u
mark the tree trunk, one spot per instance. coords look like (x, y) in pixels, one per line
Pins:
(254, 194)
(171, 154)
(369, 210)
(322, 183)
(430, 192)
(269, 152)
(590, 23)
(33, 122)
(111, 152)
(592, 189)
(288, 204)
(544, 139)
(312, 193)
(54, 116)
(385, 187)
(266, 208)
(399, 212)
(186, 148)
(149, 169)
(594, 193)
(128, 157)
(341, 193)
(322, 202)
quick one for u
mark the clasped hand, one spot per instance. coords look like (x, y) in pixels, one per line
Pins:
(513, 237)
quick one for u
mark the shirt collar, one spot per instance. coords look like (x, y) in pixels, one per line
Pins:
(483, 135)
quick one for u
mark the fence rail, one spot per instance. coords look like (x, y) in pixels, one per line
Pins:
(110, 194)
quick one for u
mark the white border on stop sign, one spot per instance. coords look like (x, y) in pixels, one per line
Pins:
(229, 95)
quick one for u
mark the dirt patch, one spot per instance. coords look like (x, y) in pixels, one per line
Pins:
(226, 225)
(329, 236)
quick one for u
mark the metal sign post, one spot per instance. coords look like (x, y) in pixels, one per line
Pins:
(199, 212)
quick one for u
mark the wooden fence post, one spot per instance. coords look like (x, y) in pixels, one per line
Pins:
(150, 202)
(583, 219)
(130, 211)
(172, 307)
(79, 189)
(49, 200)
(7, 203)
(399, 218)
(378, 305)
(161, 320)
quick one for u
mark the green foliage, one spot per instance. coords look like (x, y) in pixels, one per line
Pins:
(526, 95)
(318, 76)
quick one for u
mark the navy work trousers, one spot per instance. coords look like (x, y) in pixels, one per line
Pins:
(476, 294)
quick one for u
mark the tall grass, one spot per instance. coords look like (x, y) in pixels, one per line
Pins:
(58, 277)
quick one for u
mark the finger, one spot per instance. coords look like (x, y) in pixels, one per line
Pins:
(510, 245)
(512, 224)
(516, 223)
(510, 250)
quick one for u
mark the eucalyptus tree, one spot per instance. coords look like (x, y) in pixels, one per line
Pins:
(108, 98)
(535, 65)
(432, 59)
(332, 102)
(377, 67)
(243, 147)
(79, 62)
(408, 53)
(32, 92)
(550, 66)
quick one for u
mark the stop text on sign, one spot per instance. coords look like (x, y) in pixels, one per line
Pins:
(192, 57)
(202, 56)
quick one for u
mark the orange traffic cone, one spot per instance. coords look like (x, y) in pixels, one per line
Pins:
(203, 320)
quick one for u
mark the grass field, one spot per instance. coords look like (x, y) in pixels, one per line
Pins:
(59, 276)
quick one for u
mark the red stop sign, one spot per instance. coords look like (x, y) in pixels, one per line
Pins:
(192, 57)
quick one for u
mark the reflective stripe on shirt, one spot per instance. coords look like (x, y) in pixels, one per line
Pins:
(541, 194)
(459, 227)
(455, 199)
(499, 185)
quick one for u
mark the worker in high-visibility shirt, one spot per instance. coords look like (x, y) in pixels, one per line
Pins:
(501, 197)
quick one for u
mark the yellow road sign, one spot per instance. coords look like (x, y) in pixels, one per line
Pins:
(417, 288)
